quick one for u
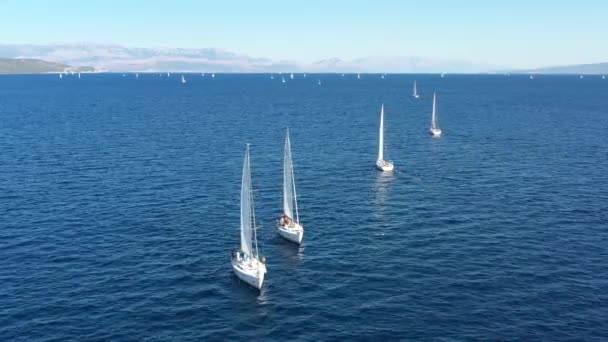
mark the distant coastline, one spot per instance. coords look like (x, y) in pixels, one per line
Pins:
(36, 66)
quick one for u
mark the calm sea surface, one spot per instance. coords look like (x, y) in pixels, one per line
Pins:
(119, 203)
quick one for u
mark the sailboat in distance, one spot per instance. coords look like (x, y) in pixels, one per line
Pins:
(183, 79)
(381, 164)
(289, 225)
(434, 130)
(246, 261)
(415, 92)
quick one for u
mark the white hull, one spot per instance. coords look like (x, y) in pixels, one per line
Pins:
(250, 271)
(293, 232)
(384, 165)
(436, 132)
(416, 96)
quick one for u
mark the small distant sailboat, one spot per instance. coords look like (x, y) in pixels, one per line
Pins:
(415, 92)
(581, 77)
(246, 261)
(381, 164)
(319, 82)
(291, 76)
(282, 79)
(136, 75)
(290, 228)
(212, 75)
(304, 75)
(531, 77)
(382, 76)
(342, 75)
(183, 79)
(60, 75)
(78, 75)
(202, 74)
(124, 75)
(603, 77)
(442, 75)
(271, 77)
(358, 76)
(168, 74)
(434, 130)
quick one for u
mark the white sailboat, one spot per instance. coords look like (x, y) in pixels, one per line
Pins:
(282, 79)
(434, 130)
(531, 77)
(381, 164)
(168, 74)
(78, 75)
(382, 76)
(289, 226)
(304, 75)
(271, 77)
(60, 75)
(212, 75)
(246, 261)
(415, 93)
(136, 75)
(183, 79)
(603, 77)
(358, 76)
(291, 76)
(319, 82)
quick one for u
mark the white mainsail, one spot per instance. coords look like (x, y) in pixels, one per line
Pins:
(415, 90)
(381, 139)
(434, 115)
(247, 225)
(290, 201)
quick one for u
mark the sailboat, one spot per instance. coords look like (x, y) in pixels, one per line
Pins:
(282, 79)
(168, 74)
(183, 79)
(290, 228)
(304, 75)
(319, 82)
(415, 93)
(531, 77)
(272, 77)
(78, 75)
(136, 75)
(382, 76)
(212, 75)
(291, 76)
(603, 77)
(246, 261)
(60, 75)
(358, 76)
(434, 130)
(381, 164)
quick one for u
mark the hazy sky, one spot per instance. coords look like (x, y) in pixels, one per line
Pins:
(503, 33)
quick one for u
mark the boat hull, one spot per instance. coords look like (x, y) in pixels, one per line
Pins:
(251, 272)
(293, 233)
(436, 132)
(384, 165)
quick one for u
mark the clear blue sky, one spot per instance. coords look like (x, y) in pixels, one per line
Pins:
(506, 33)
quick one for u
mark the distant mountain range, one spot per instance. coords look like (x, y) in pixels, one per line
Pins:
(112, 57)
(29, 66)
(596, 68)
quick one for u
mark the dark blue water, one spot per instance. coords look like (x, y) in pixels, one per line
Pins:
(119, 208)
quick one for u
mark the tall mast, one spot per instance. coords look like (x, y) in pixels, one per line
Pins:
(433, 124)
(381, 139)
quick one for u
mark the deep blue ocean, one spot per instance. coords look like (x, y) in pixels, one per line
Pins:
(119, 202)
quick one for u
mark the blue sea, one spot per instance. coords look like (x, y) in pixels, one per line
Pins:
(119, 202)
